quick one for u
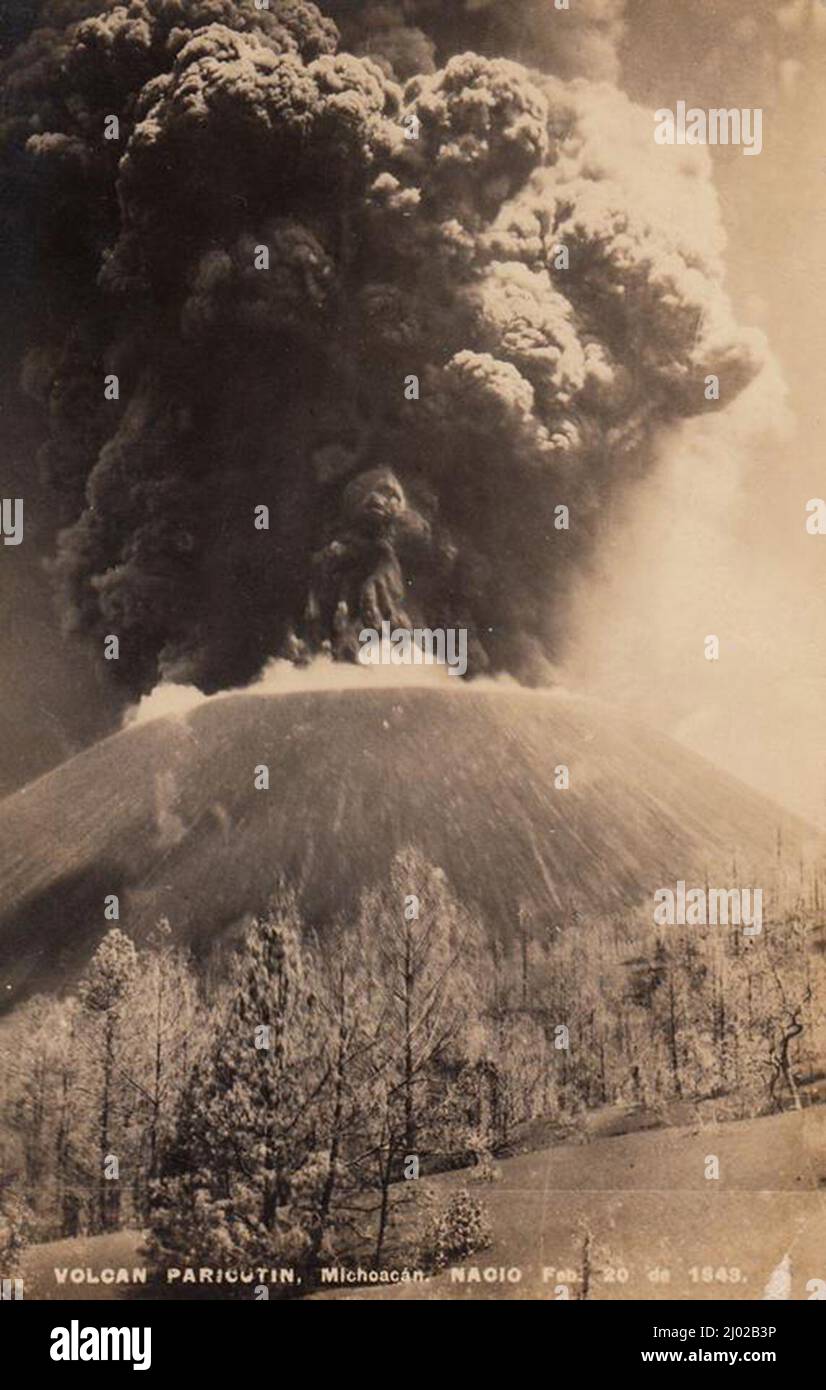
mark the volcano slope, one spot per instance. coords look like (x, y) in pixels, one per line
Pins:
(167, 816)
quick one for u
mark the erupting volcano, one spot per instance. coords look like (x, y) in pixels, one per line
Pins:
(349, 336)
(340, 327)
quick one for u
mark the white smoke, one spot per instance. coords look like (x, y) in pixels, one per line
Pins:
(169, 700)
(693, 556)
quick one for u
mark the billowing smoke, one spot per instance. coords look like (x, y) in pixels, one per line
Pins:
(431, 323)
(572, 38)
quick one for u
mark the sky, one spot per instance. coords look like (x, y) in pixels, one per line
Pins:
(715, 541)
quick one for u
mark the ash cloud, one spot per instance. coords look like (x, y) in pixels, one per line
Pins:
(417, 36)
(540, 385)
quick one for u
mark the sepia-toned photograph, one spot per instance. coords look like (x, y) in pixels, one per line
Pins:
(413, 682)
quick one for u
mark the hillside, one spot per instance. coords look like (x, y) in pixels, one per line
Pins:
(166, 815)
(650, 1212)
(642, 1196)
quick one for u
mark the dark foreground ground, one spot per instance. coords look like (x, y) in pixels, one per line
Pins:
(635, 1208)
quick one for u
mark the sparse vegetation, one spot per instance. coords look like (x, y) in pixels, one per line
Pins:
(279, 1115)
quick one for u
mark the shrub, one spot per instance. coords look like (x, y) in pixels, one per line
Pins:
(16, 1229)
(455, 1229)
(486, 1170)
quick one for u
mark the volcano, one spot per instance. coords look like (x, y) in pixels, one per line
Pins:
(167, 816)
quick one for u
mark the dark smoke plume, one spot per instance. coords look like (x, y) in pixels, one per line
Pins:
(541, 384)
(416, 36)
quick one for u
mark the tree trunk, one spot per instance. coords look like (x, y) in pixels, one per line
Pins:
(154, 1125)
(785, 1062)
(328, 1191)
(409, 1109)
(105, 1104)
(384, 1210)
(672, 1038)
